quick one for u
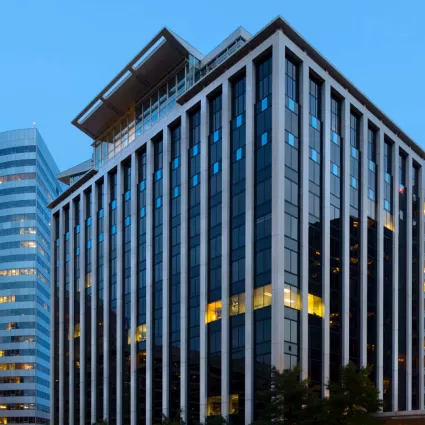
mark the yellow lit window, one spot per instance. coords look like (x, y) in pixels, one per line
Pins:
(291, 297)
(237, 304)
(213, 311)
(88, 280)
(214, 406)
(77, 330)
(1, 353)
(141, 333)
(3, 420)
(262, 296)
(315, 305)
(7, 299)
(234, 404)
(28, 244)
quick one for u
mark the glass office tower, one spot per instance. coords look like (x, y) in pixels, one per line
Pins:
(250, 205)
(27, 186)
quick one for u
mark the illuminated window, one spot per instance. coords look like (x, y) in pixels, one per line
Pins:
(315, 306)
(262, 296)
(27, 231)
(141, 333)
(17, 272)
(77, 330)
(214, 406)
(7, 299)
(292, 297)
(213, 311)
(234, 404)
(237, 304)
(88, 280)
(28, 244)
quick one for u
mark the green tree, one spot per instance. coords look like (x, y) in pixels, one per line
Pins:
(354, 399)
(215, 420)
(291, 401)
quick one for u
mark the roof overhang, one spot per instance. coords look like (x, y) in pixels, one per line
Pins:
(163, 54)
(279, 24)
(65, 176)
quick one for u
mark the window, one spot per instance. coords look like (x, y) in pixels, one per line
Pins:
(262, 296)
(213, 311)
(292, 297)
(239, 154)
(264, 139)
(291, 139)
(315, 306)
(237, 304)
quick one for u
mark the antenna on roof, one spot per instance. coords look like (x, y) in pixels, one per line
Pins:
(34, 124)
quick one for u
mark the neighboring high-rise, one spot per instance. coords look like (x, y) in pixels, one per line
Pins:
(27, 185)
(244, 209)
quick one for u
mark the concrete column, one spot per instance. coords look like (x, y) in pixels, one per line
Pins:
(249, 244)
(225, 248)
(380, 265)
(278, 200)
(166, 143)
(120, 291)
(304, 222)
(53, 308)
(93, 213)
(106, 290)
(396, 213)
(72, 259)
(363, 187)
(420, 286)
(326, 134)
(82, 281)
(204, 261)
(149, 279)
(409, 260)
(184, 229)
(133, 283)
(345, 258)
(62, 316)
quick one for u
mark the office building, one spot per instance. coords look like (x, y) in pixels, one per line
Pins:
(246, 208)
(27, 185)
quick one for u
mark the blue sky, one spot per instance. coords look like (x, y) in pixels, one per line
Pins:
(57, 55)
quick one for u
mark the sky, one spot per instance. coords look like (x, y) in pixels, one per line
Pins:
(56, 55)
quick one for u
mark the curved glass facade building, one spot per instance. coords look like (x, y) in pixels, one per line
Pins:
(27, 185)
(244, 209)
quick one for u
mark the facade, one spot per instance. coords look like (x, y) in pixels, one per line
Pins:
(27, 185)
(247, 208)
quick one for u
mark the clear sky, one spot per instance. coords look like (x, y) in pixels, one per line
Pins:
(56, 55)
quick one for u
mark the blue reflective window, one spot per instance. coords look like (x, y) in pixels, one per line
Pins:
(239, 154)
(387, 205)
(354, 182)
(216, 167)
(67, 236)
(176, 163)
(195, 150)
(291, 104)
(89, 244)
(291, 139)
(114, 229)
(264, 104)
(264, 139)
(101, 213)
(354, 152)
(176, 192)
(371, 165)
(159, 174)
(143, 212)
(77, 251)
(371, 194)
(89, 221)
(314, 122)
(314, 155)
(195, 180)
(388, 178)
(334, 137)
(57, 263)
(77, 229)
(158, 201)
(238, 121)
(143, 185)
(216, 136)
(127, 221)
(334, 169)
(127, 195)
(101, 237)
(114, 204)
(67, 258)
(57, 242)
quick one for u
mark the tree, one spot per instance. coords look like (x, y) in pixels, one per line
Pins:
(354, 399)
(291, 401)
(215, 420)
(178, 420)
